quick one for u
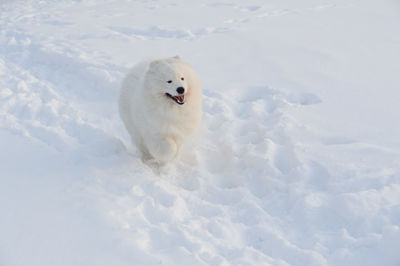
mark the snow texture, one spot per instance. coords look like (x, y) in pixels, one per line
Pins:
(297, 161)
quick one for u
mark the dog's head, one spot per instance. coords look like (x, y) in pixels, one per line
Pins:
(168, 79)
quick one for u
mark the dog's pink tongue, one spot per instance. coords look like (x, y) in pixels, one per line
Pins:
(180, 98)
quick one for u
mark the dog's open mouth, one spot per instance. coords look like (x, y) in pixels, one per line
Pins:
(179, 99)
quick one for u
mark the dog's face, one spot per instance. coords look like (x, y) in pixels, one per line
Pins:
(167, 80)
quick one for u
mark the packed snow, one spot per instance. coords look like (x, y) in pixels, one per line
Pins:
(297, 161)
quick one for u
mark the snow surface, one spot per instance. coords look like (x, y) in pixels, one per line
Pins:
(297, 162)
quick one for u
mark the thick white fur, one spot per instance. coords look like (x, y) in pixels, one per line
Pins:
(158, 126)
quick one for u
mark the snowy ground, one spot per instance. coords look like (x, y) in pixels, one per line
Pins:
(297, 162)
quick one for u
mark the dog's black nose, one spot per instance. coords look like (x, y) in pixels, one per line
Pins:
(180, 90)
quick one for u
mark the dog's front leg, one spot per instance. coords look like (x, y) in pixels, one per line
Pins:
(162, 149)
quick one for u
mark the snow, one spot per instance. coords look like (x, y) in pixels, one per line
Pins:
(297, 161)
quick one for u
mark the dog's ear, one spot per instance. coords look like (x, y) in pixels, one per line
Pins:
(177, 57)
(154, 62)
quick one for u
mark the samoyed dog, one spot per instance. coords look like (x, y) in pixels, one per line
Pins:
(160, 104)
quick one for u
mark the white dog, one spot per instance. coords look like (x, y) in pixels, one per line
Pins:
(160, 105)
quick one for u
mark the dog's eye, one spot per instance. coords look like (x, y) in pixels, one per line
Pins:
(169, 81)
(182, 79)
